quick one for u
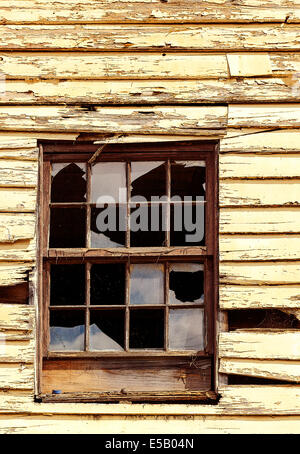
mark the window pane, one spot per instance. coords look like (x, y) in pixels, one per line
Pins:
(67, 285)
(107, 179)
(146, 284)
(188, 179)
(148, 179)
(68, 182)
(108, 226)
(107, 330)
(146, 328)
(148, 225)
(67, 228)
(67, 330)
(108, 284)
(186, 283)
(186, 329)
(187, 227)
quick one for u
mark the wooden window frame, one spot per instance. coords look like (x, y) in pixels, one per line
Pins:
(208, 255)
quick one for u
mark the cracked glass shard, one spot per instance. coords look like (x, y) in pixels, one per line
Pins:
(107, 330)
(148, 179)
(108, 226)
(186, 329)
(146, 284)
(68, 182)
(186, 283)
(67, 330)
(188, 179)
(108, 184)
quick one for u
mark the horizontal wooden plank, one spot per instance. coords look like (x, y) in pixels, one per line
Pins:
(182, 11)
(255, 166)
(17, 200)
(264, 116)
(274, 370)
(24, 250)
(14, 143)
(26, 154)
(259, 220)
(151, 65)
(254, 247)
(259, 297)
(16, 317)
(260, 273)
(150, 91)
(17, 351)
(237, 402)
(13, 335)
(18, 173)
(16, 376)
(150, 37)
(13, 273)
(260, 345)
(257, 141)
(15, 294)
(259, 193)
(153, 120)
(17, 226)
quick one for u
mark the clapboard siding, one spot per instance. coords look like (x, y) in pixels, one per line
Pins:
(18, 173)
(17, 200)
(13, 273)
(260, 273)
(182, 11)
(150, 37)
(259, 296)
(16, 376)
(18, 318)
(275, 369)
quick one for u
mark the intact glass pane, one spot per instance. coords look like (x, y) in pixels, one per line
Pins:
(186, 329)
(68, 182)
(186, 283)
(107, 330)
(146, 284)
(67, 330)
(108, 183)
(67, 285)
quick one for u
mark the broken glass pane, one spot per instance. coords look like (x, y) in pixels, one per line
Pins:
(68, 182)
(67, 227)
(108, 226)
(108, 283)
(148, 225)
(146, 284)
(186, 329)
(67, 285)
(187, 226)
(188, 179)
(186, 283)
(67, 330)
(148, 179)
(146, 328)
(108, 183)
(107, 330)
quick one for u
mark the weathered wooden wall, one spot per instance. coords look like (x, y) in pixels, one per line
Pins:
(154, 71)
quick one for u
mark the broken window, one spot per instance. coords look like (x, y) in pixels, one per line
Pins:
(129, 253)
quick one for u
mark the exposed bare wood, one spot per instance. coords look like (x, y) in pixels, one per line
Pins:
(16, 376)
(259, 297)
(14, 317)
(259, 220)
(254, 247)
(149, 92)
(264, 116)
(13, 273)
(260, 345)
(257, 141)
(18, 173)
(259, 193)
(157, 120)
(260, 273)
(249, 166)
(150, 37)
(181, 11)
(16, 226)
(16, 294)
(17, 200)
